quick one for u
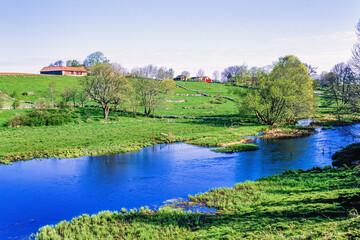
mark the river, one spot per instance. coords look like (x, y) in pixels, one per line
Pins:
(35, 193)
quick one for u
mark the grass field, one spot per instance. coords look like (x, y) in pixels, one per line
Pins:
(314, 204)
(90, 135)
(35, 83)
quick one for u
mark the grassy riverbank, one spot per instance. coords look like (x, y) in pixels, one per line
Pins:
(90, 135)
(314, 204)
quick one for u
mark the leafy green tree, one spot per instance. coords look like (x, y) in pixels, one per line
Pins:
(95, 58)
(283, 95)
(103, 85)
(73, 63)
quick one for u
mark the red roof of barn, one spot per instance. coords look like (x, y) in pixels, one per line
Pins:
(62, 68)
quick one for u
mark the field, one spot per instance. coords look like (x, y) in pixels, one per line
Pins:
(315, 204)
(35, 83)
(90, 135)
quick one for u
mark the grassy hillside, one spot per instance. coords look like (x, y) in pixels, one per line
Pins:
(173, 105)
(34, 83)
(314, 204)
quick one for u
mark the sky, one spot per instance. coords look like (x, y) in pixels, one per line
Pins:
(185, 35)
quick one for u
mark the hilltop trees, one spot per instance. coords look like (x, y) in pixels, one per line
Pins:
(104, 85)
(283, 94)
(94, 59)
(73, 63)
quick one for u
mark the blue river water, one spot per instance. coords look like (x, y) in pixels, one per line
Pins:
(36, 193)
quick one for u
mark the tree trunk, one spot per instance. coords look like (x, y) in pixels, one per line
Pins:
(106, 111)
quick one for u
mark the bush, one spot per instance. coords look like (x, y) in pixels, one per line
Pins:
(41, 118)
(217, 101)
(17, 121)
(237, 148)
(16, 104)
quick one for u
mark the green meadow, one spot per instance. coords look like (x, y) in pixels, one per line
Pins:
(314, 204)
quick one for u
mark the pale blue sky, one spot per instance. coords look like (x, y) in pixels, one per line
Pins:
(182, 34)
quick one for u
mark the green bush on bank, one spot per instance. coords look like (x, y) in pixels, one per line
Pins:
(40, 118)
(237, 148)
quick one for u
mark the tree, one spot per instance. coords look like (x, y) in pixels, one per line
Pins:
(171, 73)
(356, 51)
(82, 96)
(68, 94)
(51, 92)
(341, 88)
(103, 85)
(186, 74)
(235, 74)
(73, 63)
(200, 73)
(57, 63)
(94, 59)
(216, 75)
(283, 95)
(311, 70)
(150, 92)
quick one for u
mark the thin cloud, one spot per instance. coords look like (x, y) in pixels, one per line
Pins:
(336, 36)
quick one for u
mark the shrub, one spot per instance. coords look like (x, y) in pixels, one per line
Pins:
(41, 118)
(237, 148)
(18, 120)
(16, 104)
(216, 101)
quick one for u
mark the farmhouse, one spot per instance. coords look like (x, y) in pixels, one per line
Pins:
(206, 79)
(61, 70)
(180, 78)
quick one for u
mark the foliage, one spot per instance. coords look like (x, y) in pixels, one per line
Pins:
(283, 95)
(314, 204)
(94, 59)
(342, 89)
(237, 148)
(73, 63)
(104, 85)
(16, 104)
(150, 92)
(39, 118)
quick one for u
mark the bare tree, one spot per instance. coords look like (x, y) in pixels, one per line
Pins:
(51, 92)
(216, 75)
(150, 92)
(356, 51)
(341, 88)
(200, 73)
(185, 73)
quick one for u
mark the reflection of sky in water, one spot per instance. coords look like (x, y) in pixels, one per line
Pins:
(35, 193)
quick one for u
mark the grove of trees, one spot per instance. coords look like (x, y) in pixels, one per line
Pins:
(283, 94)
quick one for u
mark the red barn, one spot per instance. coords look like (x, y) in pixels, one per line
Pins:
(61, 70)
(206, 79)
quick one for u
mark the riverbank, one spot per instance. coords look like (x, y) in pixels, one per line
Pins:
(318, 203)
(90, 135)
